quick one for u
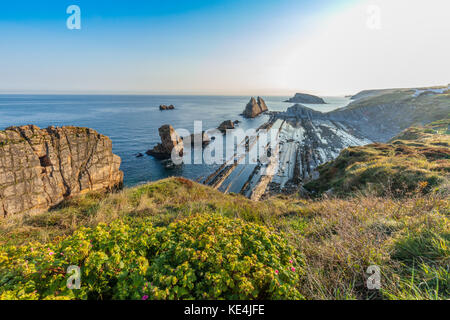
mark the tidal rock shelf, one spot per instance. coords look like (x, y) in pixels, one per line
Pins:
(306, 139)
(39, 168)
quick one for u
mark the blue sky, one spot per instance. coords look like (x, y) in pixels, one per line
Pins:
(214, 46)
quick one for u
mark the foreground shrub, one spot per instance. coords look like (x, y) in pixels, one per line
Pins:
(206, 257)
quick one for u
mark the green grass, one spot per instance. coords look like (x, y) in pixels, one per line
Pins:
(337, 238)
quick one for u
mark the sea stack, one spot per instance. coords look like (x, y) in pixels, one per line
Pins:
(254, 108)
(306, 98)
(39, 168)
(170, 140)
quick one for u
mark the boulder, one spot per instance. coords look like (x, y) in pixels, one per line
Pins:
(164, 107)
(226, 125)
(169, 140)
(39, 168)
(254, 108)
(306, 98)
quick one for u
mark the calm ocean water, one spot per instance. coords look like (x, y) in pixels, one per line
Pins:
(132, 122)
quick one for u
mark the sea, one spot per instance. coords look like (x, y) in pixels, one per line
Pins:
(132, 122)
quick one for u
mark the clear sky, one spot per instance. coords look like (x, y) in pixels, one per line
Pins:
(262, 47)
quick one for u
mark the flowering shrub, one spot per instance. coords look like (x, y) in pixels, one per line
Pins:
(206, 257)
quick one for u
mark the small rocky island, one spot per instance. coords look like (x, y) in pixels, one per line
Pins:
(169, 140)
(254, 108)
(164, 107)
(306, 98)
(39, 168)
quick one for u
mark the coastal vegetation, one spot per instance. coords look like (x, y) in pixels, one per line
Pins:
(177, 239)
(416, 160)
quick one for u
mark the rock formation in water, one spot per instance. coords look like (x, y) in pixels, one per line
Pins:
(302, 112)
(309, 138)
(164, 107)
(39, 168)
(170, 140)
(203, 139)
(226, 125)
(254, 108)
(306, 98)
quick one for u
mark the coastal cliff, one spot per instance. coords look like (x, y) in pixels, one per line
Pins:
(39, 168)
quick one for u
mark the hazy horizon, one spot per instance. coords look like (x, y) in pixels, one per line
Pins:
(231, 94)
(218, 47)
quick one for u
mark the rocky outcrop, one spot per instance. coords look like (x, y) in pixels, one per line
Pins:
(306, 98)
(170, 140)
(254, 108)
(164, 107)
(299, 111)
(304, 143)
(369, 93)
(226, 125)
(383, 115)
(39, 168)
(202, 138)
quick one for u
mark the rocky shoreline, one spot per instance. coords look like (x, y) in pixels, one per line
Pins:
(39, 168)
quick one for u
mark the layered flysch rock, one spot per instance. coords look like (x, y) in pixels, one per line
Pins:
(306, 98)
(306, 139)
(39, 168)
(255, 107)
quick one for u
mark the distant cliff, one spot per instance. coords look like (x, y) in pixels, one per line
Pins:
(306, 98)
(41, 167)
(382, 114)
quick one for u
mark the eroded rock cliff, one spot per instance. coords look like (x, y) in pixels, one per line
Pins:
(39, 168)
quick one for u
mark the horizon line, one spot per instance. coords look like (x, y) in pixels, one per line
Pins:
(263, 92)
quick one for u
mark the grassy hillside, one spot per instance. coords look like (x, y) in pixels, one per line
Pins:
(423, 108)
(176, 239)
(417, 160)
